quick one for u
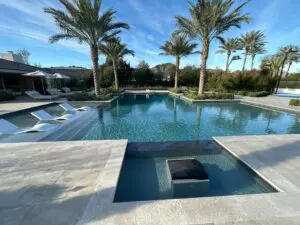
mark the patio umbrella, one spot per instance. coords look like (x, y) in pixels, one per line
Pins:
(40, 74)
(60, 77)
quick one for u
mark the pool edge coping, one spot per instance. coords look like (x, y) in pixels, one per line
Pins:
(259, 174)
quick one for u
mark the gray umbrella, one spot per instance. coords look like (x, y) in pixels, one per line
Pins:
(40, 74)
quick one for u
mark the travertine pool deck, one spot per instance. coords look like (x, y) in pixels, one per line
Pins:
(13, 106)
(74, 183)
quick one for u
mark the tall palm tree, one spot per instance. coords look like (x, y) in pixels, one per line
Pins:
(292, 58)
(210, 19)
(249, 41)
(179, 46)
(285, 52)
(82, 21)
(229, 46)
(115, 51)
(254, 51)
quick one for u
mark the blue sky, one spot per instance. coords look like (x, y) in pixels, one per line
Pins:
(23, 24)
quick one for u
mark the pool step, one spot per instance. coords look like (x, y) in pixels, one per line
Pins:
(73, 130)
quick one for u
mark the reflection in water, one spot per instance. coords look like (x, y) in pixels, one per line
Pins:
(164, 118)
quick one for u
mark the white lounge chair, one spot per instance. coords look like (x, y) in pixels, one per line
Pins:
(38, 96)
(67, 107)
(44, 116)
(9, 128)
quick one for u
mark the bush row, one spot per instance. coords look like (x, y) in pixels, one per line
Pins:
(253, 94)
(216, 96)
(294, 102)
(87, 97)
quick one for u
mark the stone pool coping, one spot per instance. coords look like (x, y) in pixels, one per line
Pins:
(273, 208)
(276, 157)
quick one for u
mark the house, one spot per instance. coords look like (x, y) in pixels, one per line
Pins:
(10, 56)
(11, 76)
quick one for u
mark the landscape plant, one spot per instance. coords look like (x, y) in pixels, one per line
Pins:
(82, 21)
(179, 46)
(209, 20)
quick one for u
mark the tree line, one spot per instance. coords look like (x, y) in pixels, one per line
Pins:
(208, 20)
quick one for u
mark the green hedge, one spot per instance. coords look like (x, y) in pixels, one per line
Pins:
(294, 102)
(6, 95)
(216, 96)
(86, 97)
(253, 94)
(177, 90)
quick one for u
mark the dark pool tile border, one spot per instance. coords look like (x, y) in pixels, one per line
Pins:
(248, 166)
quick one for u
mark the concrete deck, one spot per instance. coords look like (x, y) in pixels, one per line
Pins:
(74, 183)
(51, 183)
(271, 101)
(13, 106)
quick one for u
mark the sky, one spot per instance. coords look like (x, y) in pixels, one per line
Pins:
(23, 24)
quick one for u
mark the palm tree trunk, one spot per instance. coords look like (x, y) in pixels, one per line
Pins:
(245, 59)
(204, 57)
(177, 71)
(95, 57)
(116, 74)
(252, 63)
(281, 72)
(227, 62)
(288, 69)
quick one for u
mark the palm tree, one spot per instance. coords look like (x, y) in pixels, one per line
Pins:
(115, 51)
(82, 21)
(249, 41)
(273, 63)
(229, 46)
(179, 46)
(285, 52)
(210, 19)
(254, 51)
(292, 58)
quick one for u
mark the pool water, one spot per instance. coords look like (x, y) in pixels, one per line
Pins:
(154, 118)
(144, 172)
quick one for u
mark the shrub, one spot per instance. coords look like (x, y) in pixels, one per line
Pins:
(6, 95)
(216, 96)
(177, 90)
(294, 102)
(258, 94)
(87, 97)
(244, 93)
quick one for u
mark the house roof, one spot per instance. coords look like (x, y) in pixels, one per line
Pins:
(7, 66)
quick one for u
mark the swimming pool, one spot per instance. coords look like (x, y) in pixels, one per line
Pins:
(144, 174)
(156, 118)
(142, 118)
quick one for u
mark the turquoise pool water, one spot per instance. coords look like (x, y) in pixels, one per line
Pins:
(154, 118)
(144, 172)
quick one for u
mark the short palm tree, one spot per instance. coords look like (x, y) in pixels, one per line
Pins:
(229, 46)
(249, 41)
(210, 19)
(254, 51)
(179, 46)
(82, 21)
(115, 51)
(273, 63)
